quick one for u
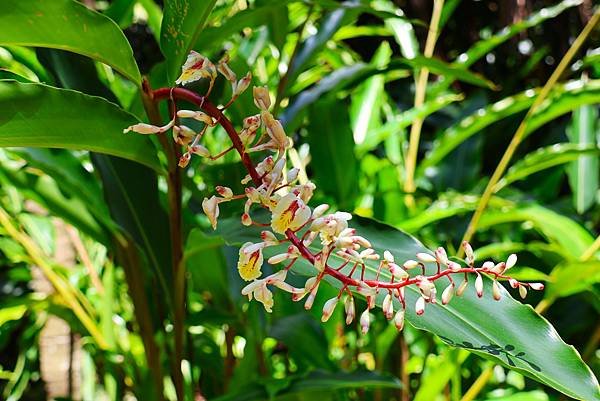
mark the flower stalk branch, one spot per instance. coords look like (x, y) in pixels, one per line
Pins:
(302, 228)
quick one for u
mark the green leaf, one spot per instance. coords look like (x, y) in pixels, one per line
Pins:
(37, 115)
(571, 278)
(332, 150)
(67, 25)
(561, 100)
(183, 21)
(8, 313)
(584, 172)
(571, 236)
(544, 158)
(504, 331)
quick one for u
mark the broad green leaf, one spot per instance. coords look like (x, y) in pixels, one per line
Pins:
(37, 115)
(567, 233)
(571, 278)
(332, 150)
(584, 172)
(67, 25)
(562, 99)
(504, 331)
(317, 383)
(183, 20)
(544, 158)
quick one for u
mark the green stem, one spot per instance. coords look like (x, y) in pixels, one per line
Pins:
(420, 89)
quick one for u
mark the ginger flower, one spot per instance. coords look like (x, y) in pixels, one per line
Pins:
(250, 260)
(197, 67)
(290, 213)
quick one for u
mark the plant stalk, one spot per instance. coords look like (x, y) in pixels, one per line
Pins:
(420, 90)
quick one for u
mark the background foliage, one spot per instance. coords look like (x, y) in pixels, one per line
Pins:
(86, 208)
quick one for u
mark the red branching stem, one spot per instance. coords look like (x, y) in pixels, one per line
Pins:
(347, 280)
(203, 103)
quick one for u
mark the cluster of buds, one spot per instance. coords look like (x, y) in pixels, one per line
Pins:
(321, 237)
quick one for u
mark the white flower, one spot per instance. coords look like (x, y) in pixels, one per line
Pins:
(290, 213)
(250, 261)
(196, 67)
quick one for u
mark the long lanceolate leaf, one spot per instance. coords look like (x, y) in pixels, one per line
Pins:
(37, 115)
(504, 331)
(67, 25)
(562, 99)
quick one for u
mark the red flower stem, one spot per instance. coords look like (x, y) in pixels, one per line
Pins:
(213, 111)
(203, 103)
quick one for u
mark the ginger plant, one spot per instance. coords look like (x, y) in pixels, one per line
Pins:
(271, 186)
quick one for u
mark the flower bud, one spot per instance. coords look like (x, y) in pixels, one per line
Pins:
(365, 321)
(496, 291)
(225, 192)
(398, 272)
(448, 294)
(349, 309)
(320, 210)
(399, 319)
(420, 306)
(311, 297)
(487, 265)
(273, 260)
(242, 84)
(328, 308)
(246, 219)
(388, 306)
(269, 237)
(453, 266)
(426, 257)
(441, 255)
(410, 264)
(498, 268)
(184, 160)
(511, 261)
(262, 99)
(479, 285)
(469, 253)
(522, 291)
(462, 287)
(199, 150)
(388, 257)
(536, 286)
(513, 283)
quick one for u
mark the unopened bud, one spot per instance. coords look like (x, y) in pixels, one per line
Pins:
(469, 253)
(448, 294)
(242, 85)
(399, 319)
(388, 306)
(365, 321)
(522, 291)
(225, 192)
(487, 265)
(349, 309)
(420, 306)
(398, 272)
(453, 266)
(513, 283)
(262, 99)
(536, 286)
(292, 175)
(246, 219)
(328, 308)
(199, 150)
(184, 160)
(511, 261)
(479, 285)
(273, 260)
(410, 264)
(426, 257)
(320, 210)
(496, 291)
(441, 255)
(499, 268)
